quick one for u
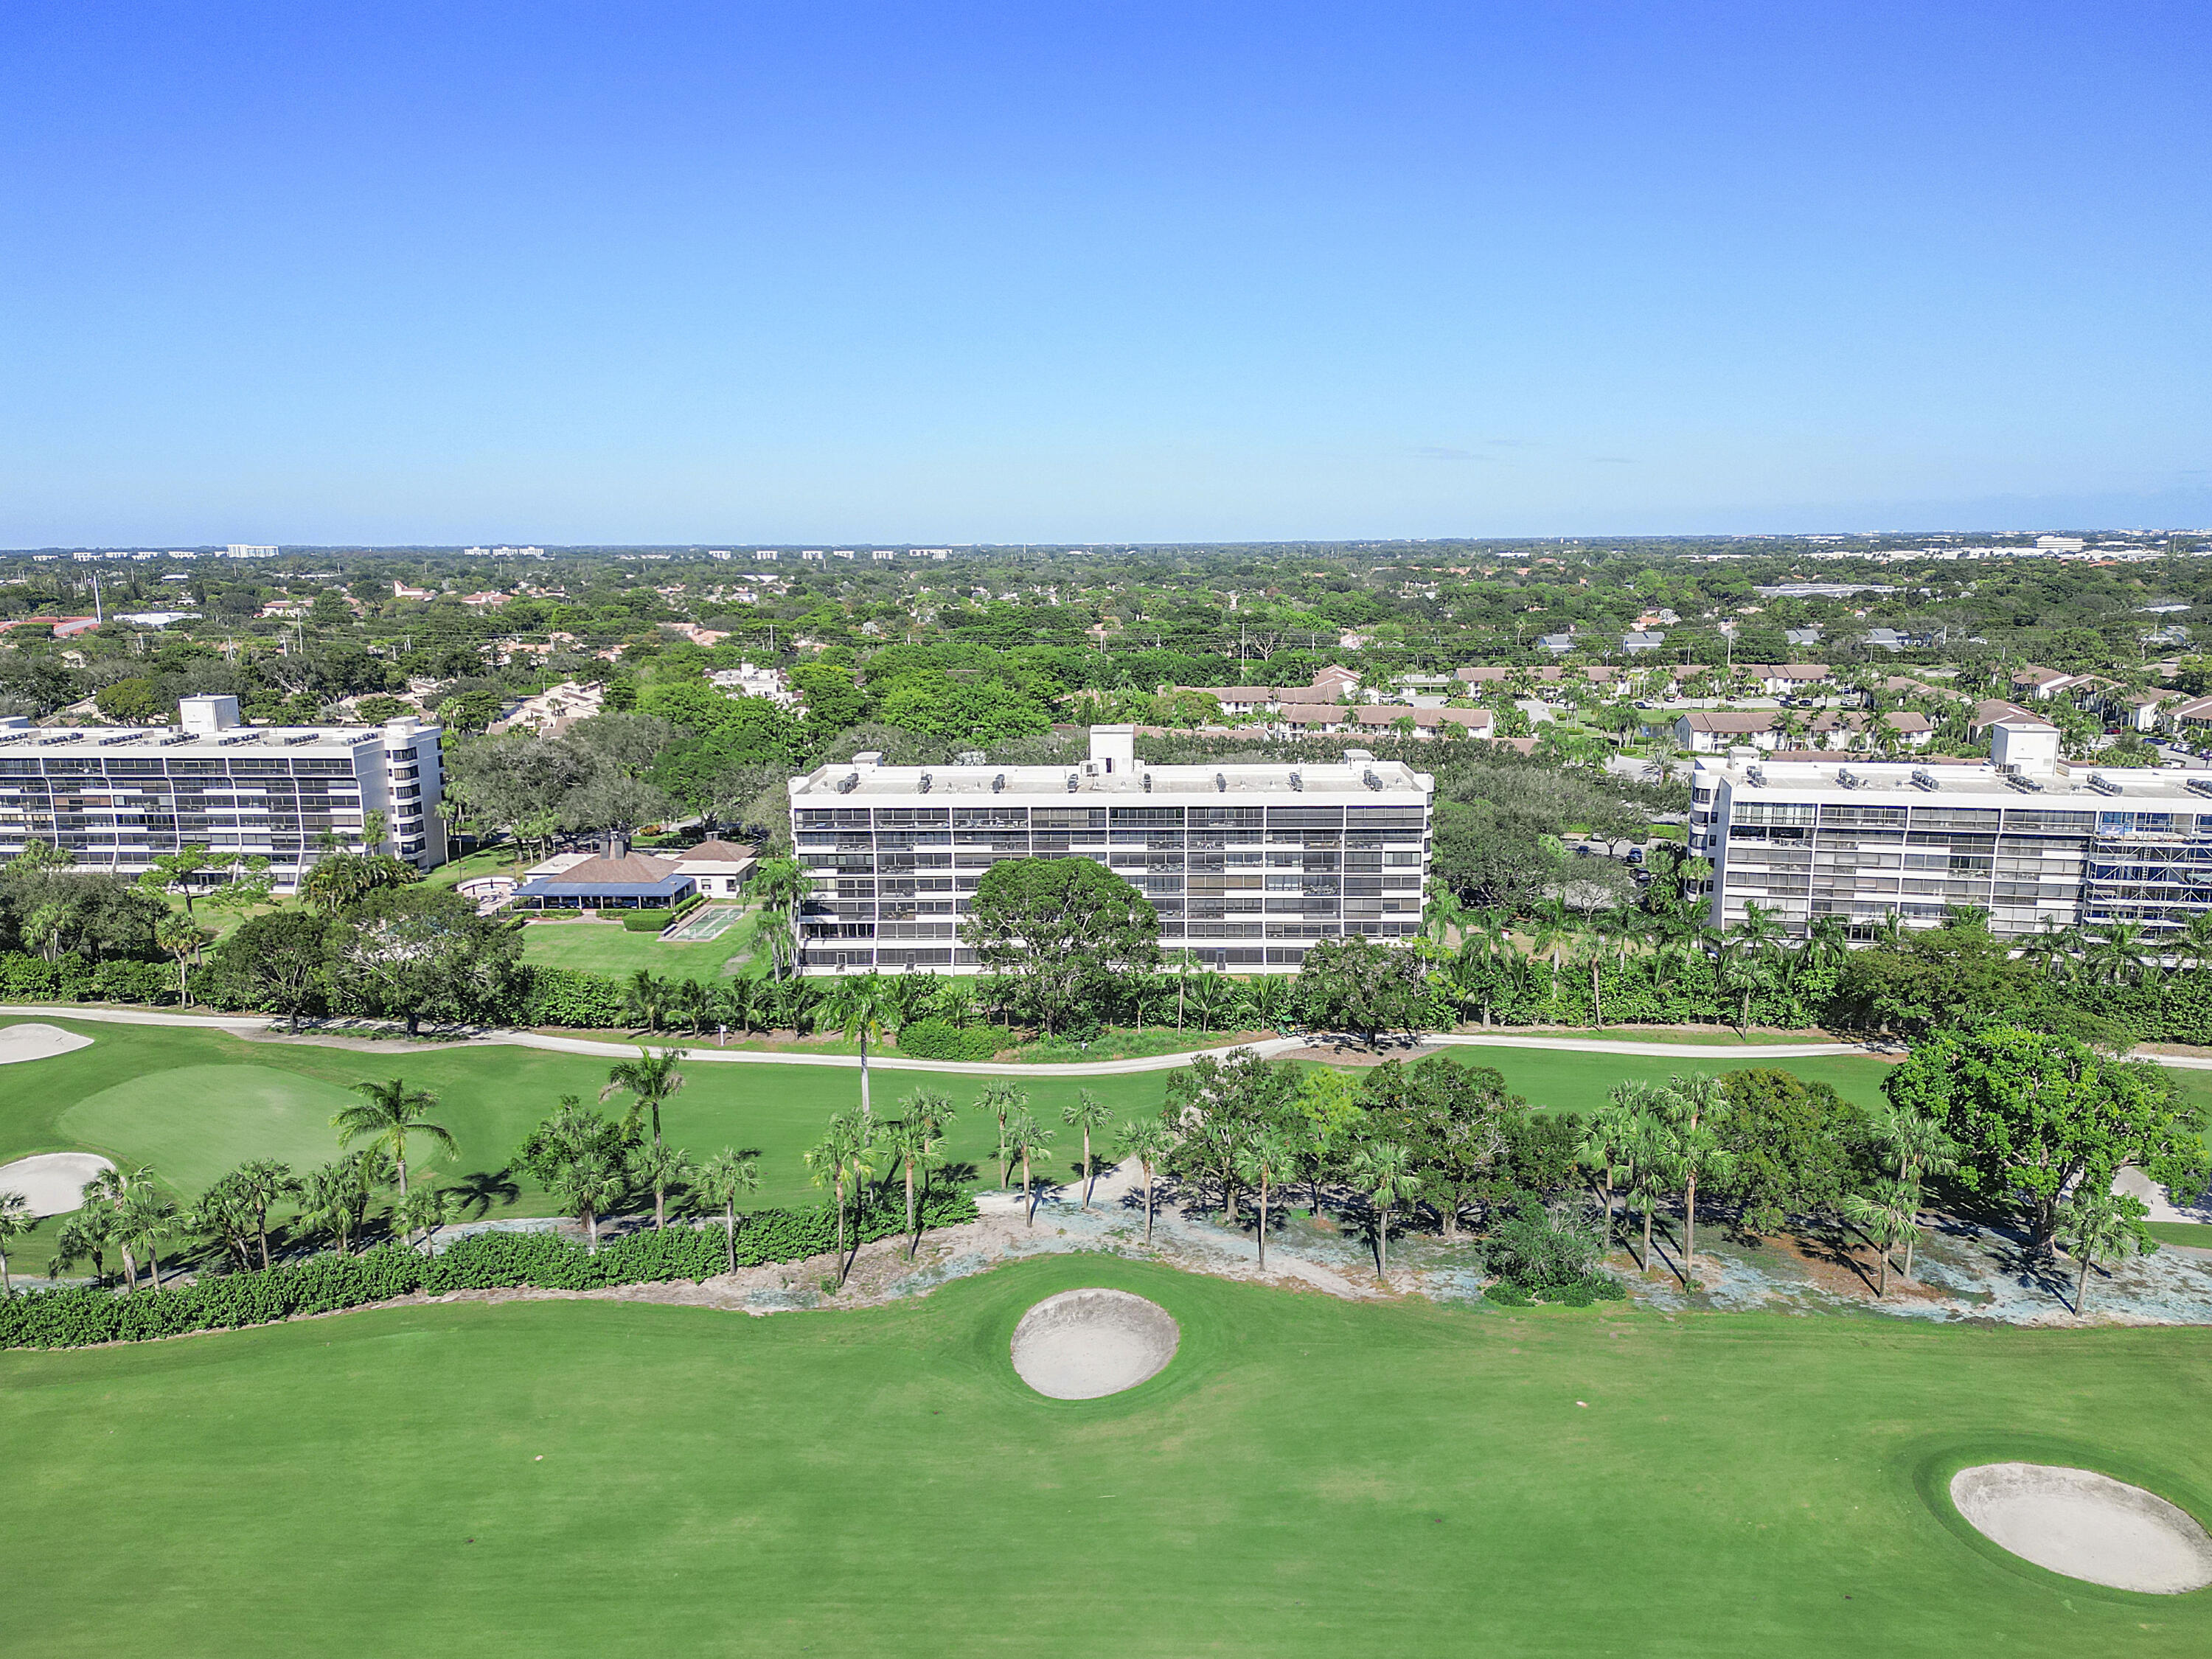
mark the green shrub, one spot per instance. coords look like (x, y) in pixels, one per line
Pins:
(569, 996)
(939, 1039)
(645, 922)
(85, 1315)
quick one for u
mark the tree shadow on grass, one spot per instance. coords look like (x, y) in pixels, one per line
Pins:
(477, 1192)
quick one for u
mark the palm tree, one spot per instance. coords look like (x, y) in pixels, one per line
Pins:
(1027, 1139)
(589, 1184)
(1149, 1141)
(1609, 1140)
(739, 1002)
(425, 1210)
(1608, 929)
(1649, 1176)
(781, 885)
(774, 934)
(2194, 945)
(1890, 930)
(1089, 1113)
(1918, 1146)
(15, 1221)
(2097, 1227)
(1761, 930)
(1261, 1161)
(1550, 934)
(842, 1155)
(336, 1196)
(1003, 1099)
(387, 1113)
(867, 1008)
(719, 1181)
(1739, 969)
(649, 1081)
(659, 1168)
(2121, 951)
(263, 1184)
(181, 937)
(1384, 1170)
(107, 1190)
(2052, 945)
(1690, 1107)
(83, 1237)
(148, 1218)
(645, 999)
(1271, 1000)
(1887, 1218)
(222, 1214)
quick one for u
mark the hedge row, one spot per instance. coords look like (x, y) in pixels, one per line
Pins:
(941, 1039)
(85, 1315)
(33, 979)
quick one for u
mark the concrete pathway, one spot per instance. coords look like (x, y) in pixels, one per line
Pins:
(703, 1050)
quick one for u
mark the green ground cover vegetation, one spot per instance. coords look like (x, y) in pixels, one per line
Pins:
(1308, 1475)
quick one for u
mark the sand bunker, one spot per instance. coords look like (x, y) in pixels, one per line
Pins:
(53, 1182)
(1080, 1344)
(2086, 1526)
(36, 1042)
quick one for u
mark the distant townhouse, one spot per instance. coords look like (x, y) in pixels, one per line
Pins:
(1716, 731)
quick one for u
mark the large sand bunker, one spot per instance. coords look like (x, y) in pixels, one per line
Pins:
(2086, 1526)
(37, 1042)
(1080, 1344)
(53, 1182)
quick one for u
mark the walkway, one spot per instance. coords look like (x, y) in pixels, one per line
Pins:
(264, 1027)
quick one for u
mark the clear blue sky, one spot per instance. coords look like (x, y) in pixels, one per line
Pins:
(320, 272)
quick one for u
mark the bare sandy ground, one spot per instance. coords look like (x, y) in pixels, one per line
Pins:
(1085, 1344)
(2087, 1526)
(34, 1041)
(53, 1182)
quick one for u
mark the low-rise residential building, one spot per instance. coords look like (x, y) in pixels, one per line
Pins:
(746, 680)
(2023, 836)
(1246, 864)
(617, 877)
(1716, 731)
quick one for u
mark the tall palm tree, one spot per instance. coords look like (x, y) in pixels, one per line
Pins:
(781, 885)
(1648, 1174)
(1088, 1114)
(840, 1159)
(1609, 1140)
(1552, 935)
(1890, 930)
(1761, 930)
(1149, 1141)
(1002, 1099)
(650, 1081)
(1028, 1139)
(1740, 970)
(659, 1168)
(15, 1221)
(1262, 1161)
(1384, 1170)
(867, 1007)
(774, 934)
(2053, 946)
(263, 1184)
(387, 1114)
(223, 1215)
(148, 1218)
(2122, 951)
(2094, 1227)
(1691, 1108)
(721, 1179)
(1608, 929)
(2194, 945)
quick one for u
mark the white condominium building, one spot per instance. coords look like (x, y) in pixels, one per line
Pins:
(1247, 864)
(117, 798)
(2024, 836)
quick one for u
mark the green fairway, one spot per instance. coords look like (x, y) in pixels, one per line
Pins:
(1308, 1476)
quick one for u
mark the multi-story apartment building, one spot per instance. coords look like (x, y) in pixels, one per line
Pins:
(1247, 864)
(2024, 836)
(118, 798)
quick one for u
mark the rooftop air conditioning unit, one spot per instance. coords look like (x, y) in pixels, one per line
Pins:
(1297, 779)
(1925, 780)
(1848, 778)
(1074, 781)
(848, 783)
(1221, 782)
(2200, 786)
(2103, 785)
(1148, 783)
(998, 782)
(926, 781)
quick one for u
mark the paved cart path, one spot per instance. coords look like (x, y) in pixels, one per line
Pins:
(265, 1027)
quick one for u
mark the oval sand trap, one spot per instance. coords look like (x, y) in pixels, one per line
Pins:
(2086, 1526)
(1081, 1344)
(53, 1182)
(36, 1042)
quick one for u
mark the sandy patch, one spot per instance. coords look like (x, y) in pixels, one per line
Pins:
(37, 1042)
(53, 1182)
(1081, 1344)
(2086, 1526)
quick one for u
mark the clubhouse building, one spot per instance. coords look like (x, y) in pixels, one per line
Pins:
(1247, 864)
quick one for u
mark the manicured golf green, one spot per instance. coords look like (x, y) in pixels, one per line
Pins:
(1307, 1477)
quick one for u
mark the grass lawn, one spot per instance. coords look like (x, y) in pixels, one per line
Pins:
(609, 948)
(2193, 1234)
(1308, 1476)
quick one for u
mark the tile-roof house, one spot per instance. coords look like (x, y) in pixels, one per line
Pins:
(624, 881)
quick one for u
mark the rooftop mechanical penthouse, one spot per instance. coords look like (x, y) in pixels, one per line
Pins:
(1247, 864)
(119, 798)
(2025, 836)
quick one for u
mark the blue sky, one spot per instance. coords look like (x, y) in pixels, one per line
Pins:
(673, 273)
